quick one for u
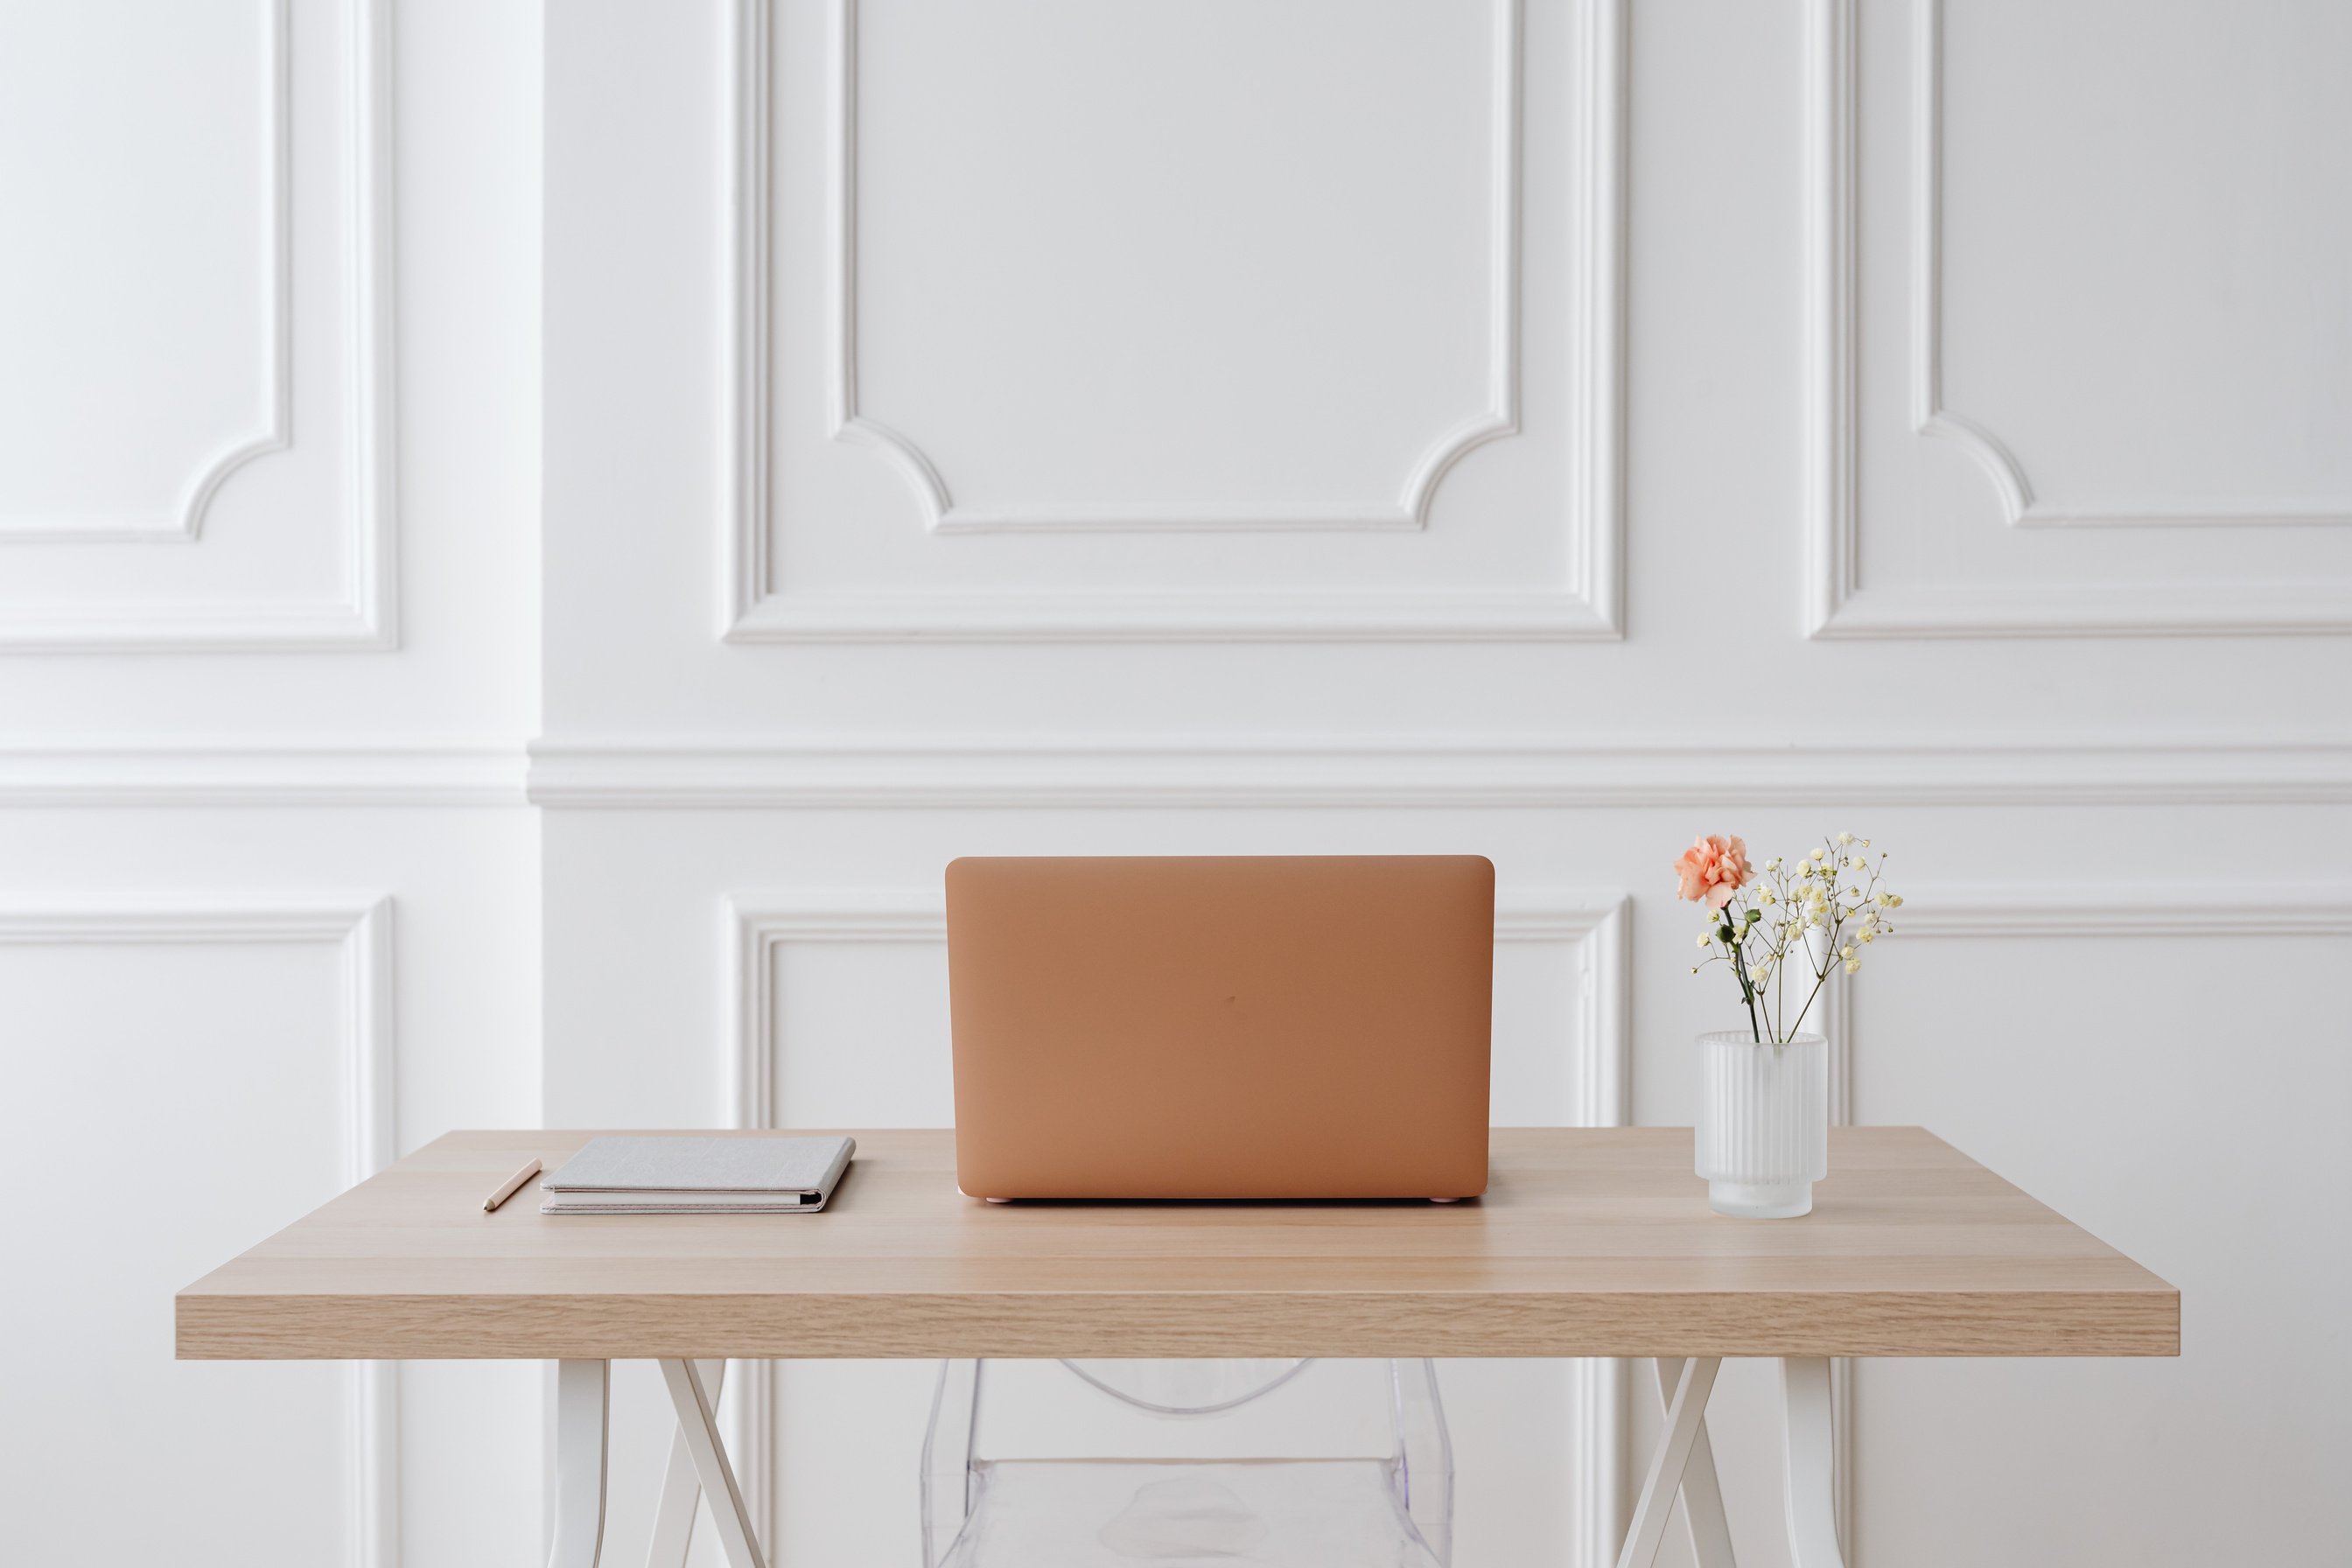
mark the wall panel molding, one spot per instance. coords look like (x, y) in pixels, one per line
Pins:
(1595, 924)
(1418, 769)
(364, 615)
(1588, 606)
(1838, 605)
(2203, 909)
(185, 521)
(1499, 416)
(183, 771)
(359, 928)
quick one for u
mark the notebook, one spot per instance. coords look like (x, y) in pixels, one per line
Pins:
(699, 1176)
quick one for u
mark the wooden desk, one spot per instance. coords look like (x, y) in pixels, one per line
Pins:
(1589, 1243)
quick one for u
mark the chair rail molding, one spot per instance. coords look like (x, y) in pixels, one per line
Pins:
(181, 770)
(2110, 909)
(1595, 923)
(1838, 604)
(360, 927)
(1589, 606)
(1064, 770)
(364, 615)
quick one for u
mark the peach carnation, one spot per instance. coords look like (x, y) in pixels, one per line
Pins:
(1712, 869)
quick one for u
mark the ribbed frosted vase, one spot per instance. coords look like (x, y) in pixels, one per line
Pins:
(1763, 1134)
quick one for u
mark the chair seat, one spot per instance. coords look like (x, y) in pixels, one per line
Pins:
(1115, 1514)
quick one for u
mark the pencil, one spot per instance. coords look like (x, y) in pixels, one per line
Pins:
(509, 1187)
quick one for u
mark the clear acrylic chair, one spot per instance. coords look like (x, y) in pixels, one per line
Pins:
(1105, 1464)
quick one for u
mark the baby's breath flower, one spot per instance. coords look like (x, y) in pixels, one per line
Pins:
(1853, 966)
(1869, 934)
(1846, 951)
(1704, 940)
(1845, 837)
(1818, 852)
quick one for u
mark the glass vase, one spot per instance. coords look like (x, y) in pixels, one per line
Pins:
(1763, 1134)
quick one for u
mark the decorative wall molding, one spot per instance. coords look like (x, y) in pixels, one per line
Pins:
(2019, 505)
(1499, 416)
(1596, 925)
(1418, 769)
(2109, 909)
(1838, 605)
(185, 520)
(359, 928)
(140, 771)
(364, 614)
(1588, 606)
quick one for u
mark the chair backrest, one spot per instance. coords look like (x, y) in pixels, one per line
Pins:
(1205, 1388)
(1220, 1410)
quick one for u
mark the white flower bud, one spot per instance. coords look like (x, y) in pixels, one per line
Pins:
(1853, 966)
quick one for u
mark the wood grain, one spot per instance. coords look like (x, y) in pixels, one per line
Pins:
(1589, 1242)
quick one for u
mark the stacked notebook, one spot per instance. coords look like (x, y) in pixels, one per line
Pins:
(699, 1176)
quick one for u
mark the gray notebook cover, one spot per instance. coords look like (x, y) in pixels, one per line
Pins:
(671, 1170)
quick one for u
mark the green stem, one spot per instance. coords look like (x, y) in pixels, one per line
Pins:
(1739, 967)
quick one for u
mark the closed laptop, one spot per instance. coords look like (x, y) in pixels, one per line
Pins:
(1246, 1027)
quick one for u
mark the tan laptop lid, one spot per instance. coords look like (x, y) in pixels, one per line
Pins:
(1222, 1026)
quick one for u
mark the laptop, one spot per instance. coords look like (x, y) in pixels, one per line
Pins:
(1246, 1027)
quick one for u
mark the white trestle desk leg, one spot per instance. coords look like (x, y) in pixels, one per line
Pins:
(674, 1519)
(695, 1425)
(1806, 1466)
(1685, 1420)
(581, 1388)
(1711, 1533)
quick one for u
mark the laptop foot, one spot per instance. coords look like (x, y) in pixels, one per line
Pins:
(1446, 1200)
(997, 1200)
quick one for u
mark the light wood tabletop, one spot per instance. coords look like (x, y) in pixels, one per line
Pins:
(1589, 1242)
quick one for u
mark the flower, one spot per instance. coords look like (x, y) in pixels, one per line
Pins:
(1818, 852)
(1853, 966)
(1712, 869)
(1706, 938)
(1845, 837)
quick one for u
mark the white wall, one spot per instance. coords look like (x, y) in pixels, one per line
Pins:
(1548, 430)
(268, 653)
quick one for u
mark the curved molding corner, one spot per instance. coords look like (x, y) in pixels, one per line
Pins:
(364, 615)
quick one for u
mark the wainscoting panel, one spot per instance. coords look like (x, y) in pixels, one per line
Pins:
(2072, 321)
(186, 1078)
(837, 1012)
(196, 403)
(1101, 326)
